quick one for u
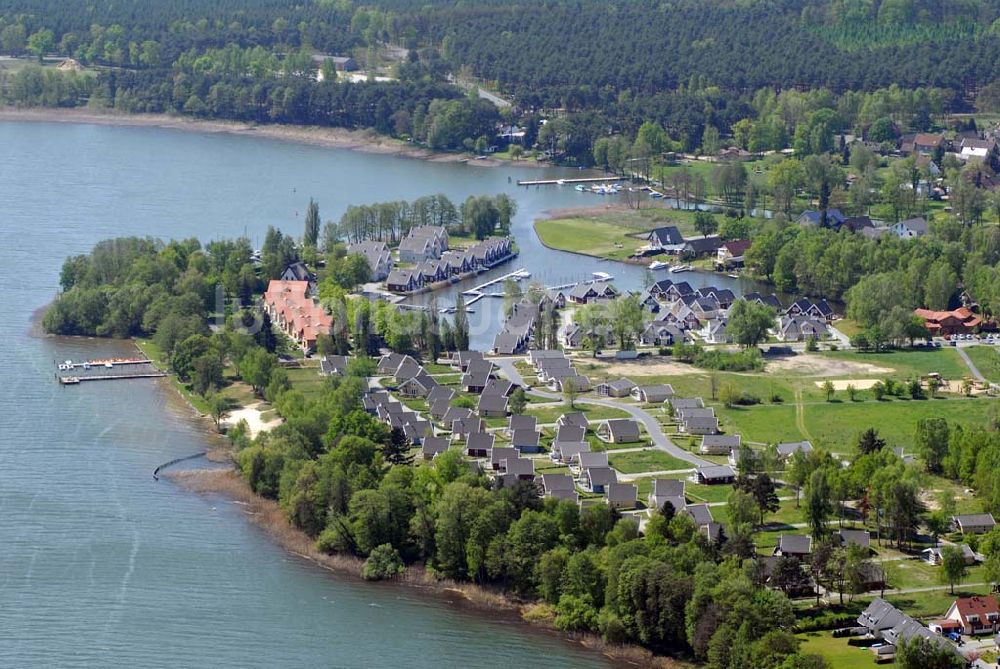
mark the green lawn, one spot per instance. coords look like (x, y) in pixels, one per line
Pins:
(836, 651)
(907, 363)
(550, 414)
(308, 381)
(646, 461)
(836, 425)
(590, 237)
(987, 361)
(765, 423)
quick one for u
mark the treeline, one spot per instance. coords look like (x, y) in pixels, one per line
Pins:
(344, 478)
(480, 216)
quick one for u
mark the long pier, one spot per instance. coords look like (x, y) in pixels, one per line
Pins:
(72, 373)
(557, 182)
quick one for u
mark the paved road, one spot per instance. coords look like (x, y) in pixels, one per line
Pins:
(969, 364)
(660, 440)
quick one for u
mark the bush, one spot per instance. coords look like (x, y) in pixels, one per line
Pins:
(812, 345)
(383, 563)
(776, 398)
(665, 351)
(576, 614)
(749, 360)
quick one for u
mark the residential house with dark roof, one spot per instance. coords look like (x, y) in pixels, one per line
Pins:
(378, 256)
(701, 246)
(800, 328)
(500, 453)
(715, 474)
(719, 444)
(333, 365)
(492, 406)
(433, 446)
(794, 545)
(653, 394)
(787, 449)
(560, 486)
(599, 478)
(526, 441)
(479, 444)
(404, 281)
(667, 239)
(616, 388)
(577, 418)
(667, 490)
(833, 219)
(567, 452)
(587, 459)
(911, 228)
(622, 495)
(701, 514)
(619, 431)
(974, 523)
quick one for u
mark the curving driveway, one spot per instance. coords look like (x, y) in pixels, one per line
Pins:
(656, 434)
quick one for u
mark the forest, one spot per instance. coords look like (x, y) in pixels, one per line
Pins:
(687, 66)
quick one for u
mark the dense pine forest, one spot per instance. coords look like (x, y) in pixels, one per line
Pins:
(610, 66)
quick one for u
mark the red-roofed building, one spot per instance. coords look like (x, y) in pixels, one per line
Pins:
(958, 321)
(973, 615)
(732, 252)
(298, 316)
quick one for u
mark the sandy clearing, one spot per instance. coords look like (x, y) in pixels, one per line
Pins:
(252, 415)
(642, 367)
(816, 365)
(859, 384)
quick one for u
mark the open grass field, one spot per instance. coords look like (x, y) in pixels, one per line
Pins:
(766, 423)
(550, 414)
(987, 361)
(836, 651)
(581, 235)
(646, 461)
(907, 363)
(836, 425)
(308, 381)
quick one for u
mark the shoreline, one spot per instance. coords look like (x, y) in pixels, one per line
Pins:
(267, 515)
(364, 141)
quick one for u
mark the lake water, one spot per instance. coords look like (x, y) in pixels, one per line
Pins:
(100, 566)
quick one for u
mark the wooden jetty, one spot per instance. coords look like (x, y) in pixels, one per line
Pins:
(558, 182)
(73, 373)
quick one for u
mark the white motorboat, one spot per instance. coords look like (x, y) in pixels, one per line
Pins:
(680, 268)
(658, 264)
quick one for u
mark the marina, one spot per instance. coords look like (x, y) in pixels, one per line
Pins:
(563, 182)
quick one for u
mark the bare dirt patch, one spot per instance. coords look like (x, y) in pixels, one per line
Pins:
(643, 367)
(859, 384)
(815, 365)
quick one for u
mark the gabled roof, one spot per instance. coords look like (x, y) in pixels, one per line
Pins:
(601, 476)
(880, 615)
(570, 433)
(975, 520)
(439, 392)
(621, 385)
(577, 418)
(700, 513)
(622, 493)
(730, 441)
(789, 447)
(686, 403)
(855, 538)
(795, 544)
(622, 429)
(500, 453)
(716, 472)
(434, 445)
(667, 235)
(479, 441)
(521, 438)
(977, 606)
(668, 487)
(492, 403)
(521, 422)
(498, 387)
(554, 482)
(590, 459)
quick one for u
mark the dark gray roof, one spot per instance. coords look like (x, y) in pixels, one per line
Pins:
(552, 482)
(789, 447)
(589, 459)
(700, 513)
(687, 403)
(716, 472)
(521, 422)
(623, 429)
(623, 493)
(434, 445)
(492, 403)
(522, 438)
(601, 476)
(574, 418)
(570, 433)
(855, 537)
(975, 519)
(795, 544)
(668, 487)
(500, 453)
(479, 441)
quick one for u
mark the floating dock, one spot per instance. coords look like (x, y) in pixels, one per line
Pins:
(560, 182)
(73, 373)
